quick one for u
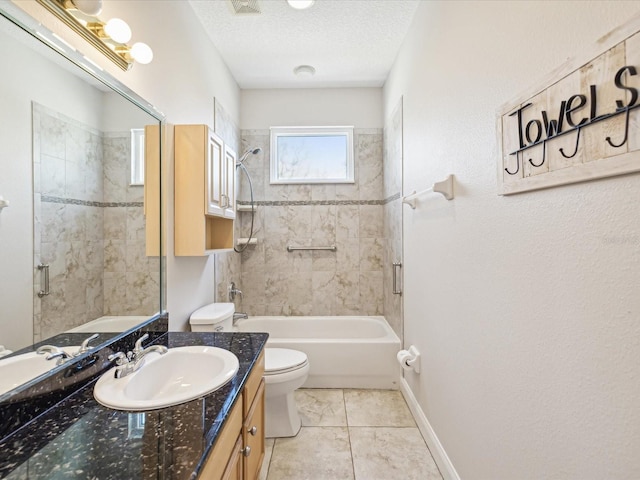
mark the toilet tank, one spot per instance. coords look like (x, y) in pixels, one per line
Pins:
(215, 317)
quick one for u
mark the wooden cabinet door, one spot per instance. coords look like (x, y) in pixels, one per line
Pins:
(234, 467)
(215, 183)
(222, 455)
(152, 189)
(253, 434)
(230, 182)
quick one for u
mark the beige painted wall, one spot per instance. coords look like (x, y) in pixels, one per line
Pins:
(265, 108)
(528, 317)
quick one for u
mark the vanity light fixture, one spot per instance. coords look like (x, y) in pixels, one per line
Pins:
(110, 37)
(88, 7)
(141, 53)
(300, 4)
(118, 30)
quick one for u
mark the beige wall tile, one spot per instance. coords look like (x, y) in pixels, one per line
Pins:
(336, 274)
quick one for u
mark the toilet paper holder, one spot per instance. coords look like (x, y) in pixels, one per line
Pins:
(410, 359)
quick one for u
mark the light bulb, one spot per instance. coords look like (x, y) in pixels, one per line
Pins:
(300, 4)
(118, 30)
(88, 7)
(141, 53)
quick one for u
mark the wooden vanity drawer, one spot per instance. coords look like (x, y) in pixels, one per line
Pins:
(216, 464)
(253, 383)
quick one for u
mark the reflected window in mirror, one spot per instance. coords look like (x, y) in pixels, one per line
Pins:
(137, 156)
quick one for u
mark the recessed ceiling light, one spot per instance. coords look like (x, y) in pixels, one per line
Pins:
(304, 71)
(300, 4)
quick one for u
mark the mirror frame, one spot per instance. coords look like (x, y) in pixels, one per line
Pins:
(157, 323)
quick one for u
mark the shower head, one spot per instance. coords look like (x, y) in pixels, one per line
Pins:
(244, 156)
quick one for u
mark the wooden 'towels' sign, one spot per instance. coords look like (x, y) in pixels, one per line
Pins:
(583, 124)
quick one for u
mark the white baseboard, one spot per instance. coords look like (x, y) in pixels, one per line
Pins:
(437, 451)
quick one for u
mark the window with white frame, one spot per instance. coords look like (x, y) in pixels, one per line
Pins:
(312, 155)
(137, 156)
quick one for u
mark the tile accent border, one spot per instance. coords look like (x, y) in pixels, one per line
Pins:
(88, 203)
(288, 203)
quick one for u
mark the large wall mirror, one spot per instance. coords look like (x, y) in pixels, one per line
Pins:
(80, 239)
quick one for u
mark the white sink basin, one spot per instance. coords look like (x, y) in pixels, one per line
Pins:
(180, 375)
(19, 369)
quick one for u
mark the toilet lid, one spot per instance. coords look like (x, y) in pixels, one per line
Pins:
(281, 360)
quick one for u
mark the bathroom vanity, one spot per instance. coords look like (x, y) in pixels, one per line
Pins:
(218, 436)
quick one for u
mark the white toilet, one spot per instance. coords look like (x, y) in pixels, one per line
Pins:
(285, 370)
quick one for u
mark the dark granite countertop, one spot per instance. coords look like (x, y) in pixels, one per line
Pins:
(81, 439)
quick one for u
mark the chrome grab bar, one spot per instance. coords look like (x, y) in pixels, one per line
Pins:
(291, 248)
(44, 279)
(396, 267)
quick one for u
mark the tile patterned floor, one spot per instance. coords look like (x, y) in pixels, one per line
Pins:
(351, 435)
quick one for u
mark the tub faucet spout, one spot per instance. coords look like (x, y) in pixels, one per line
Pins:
(239, 315)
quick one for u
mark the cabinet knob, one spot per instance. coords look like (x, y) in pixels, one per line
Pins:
(246, 451)
(253, 430)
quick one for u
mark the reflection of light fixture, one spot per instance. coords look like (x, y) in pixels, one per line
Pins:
(110, 38)
(300, 4)
(304, 71)
(142, 53)
(88, 7)
(118, 30)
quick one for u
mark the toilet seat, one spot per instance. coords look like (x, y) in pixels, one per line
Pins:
(283, 360)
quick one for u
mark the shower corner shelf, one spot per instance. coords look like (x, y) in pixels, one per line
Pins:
(244, 208)
(244, 241)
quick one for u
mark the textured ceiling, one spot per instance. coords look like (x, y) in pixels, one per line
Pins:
(350, 43)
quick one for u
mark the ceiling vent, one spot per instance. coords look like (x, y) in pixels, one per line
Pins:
(242, 7)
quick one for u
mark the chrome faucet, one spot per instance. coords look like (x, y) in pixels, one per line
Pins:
(132, 361)
(54, 352)
(239, 315)
(84, 346)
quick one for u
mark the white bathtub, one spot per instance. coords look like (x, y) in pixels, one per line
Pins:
(110, 323)
(343, 352)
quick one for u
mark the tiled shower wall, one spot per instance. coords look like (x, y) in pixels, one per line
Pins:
(350, 216)
(131, 279)
(393, 217)
(88, 226)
